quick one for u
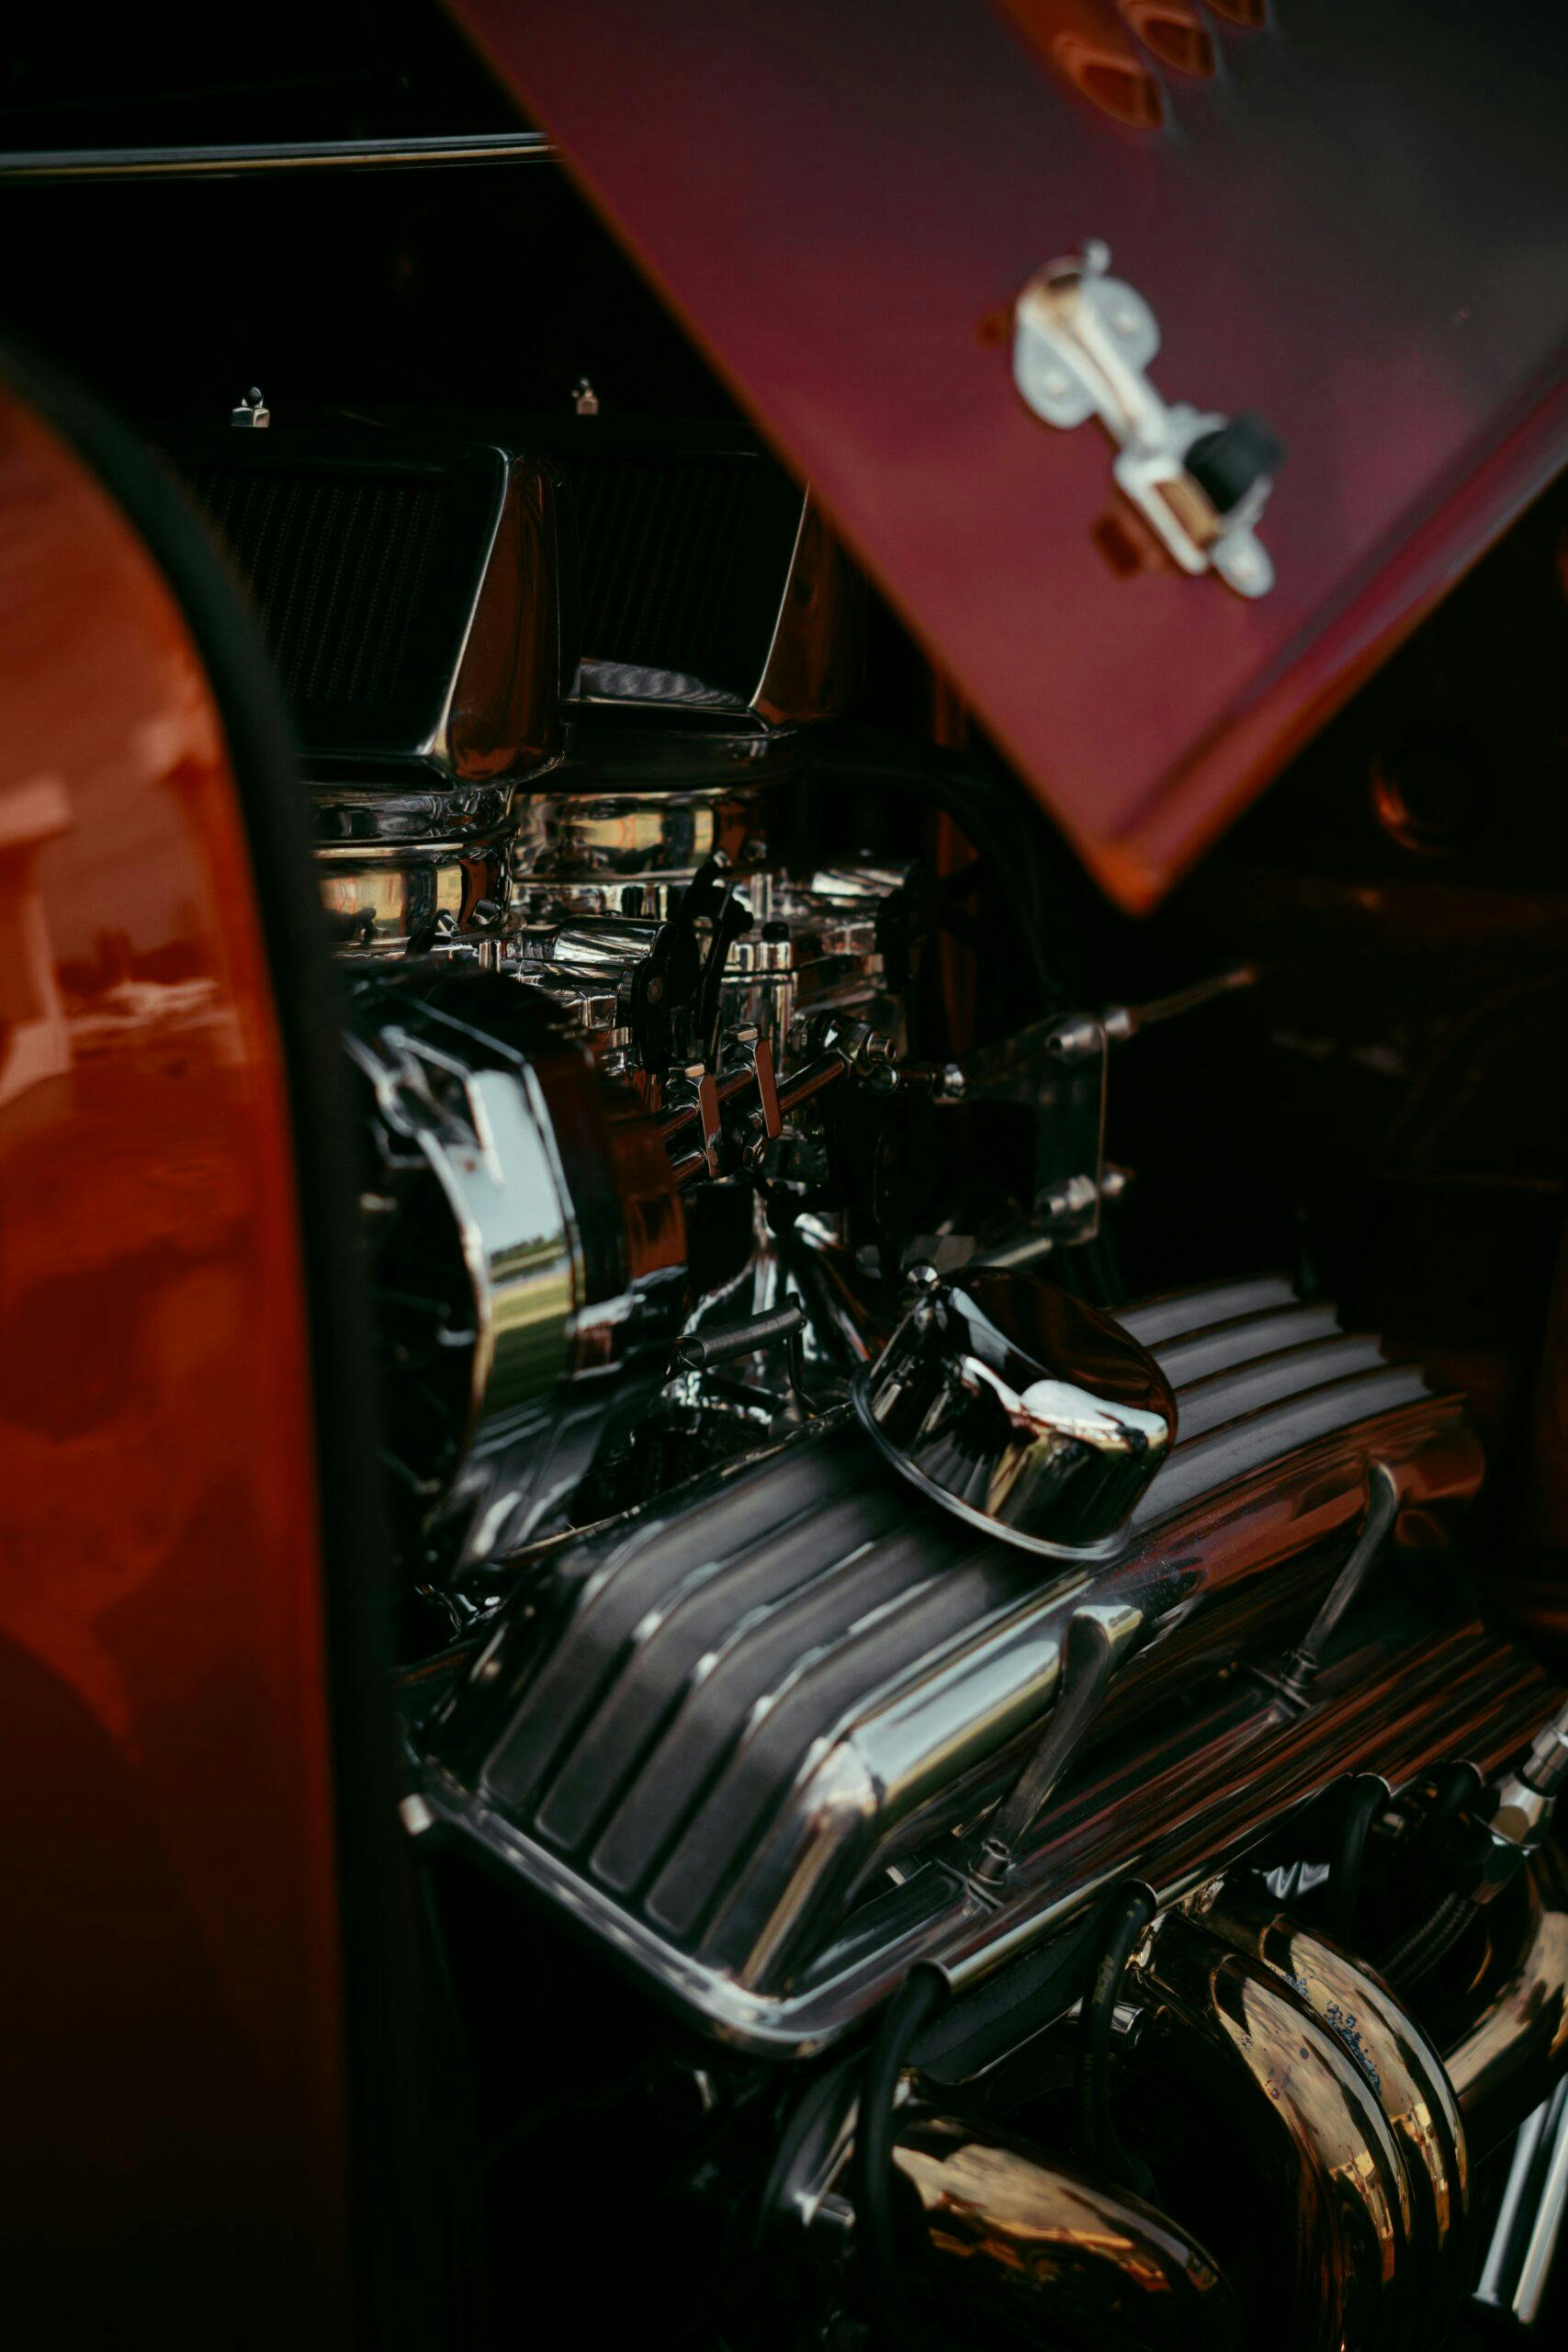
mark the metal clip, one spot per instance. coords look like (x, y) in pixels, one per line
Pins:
(1096, 1639)
(1299, 1670)
(760, 1053)
(705, 1087)
(1082, 344)
(252, 412)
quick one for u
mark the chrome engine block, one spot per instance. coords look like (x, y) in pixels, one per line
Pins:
(950, 1700)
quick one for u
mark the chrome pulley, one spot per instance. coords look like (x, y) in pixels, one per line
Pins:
(529, 1259)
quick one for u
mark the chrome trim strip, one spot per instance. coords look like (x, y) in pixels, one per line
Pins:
(289, 155)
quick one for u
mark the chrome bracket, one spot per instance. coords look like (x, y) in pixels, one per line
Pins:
(1082, 345)
(1057, 1070)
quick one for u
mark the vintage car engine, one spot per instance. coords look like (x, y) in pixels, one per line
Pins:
(1035, 1756)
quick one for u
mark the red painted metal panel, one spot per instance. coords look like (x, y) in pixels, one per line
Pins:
(169, 1998)
(1355, 224)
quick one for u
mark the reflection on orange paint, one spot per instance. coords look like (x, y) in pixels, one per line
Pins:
(1176, 32)
(173, 2107)
(1095, 45)
(1087, 43)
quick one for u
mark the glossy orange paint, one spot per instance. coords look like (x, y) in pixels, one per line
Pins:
(169, 2002)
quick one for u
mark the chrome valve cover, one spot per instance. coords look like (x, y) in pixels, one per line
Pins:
(746, 1736)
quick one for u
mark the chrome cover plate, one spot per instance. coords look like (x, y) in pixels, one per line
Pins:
(730, 1731)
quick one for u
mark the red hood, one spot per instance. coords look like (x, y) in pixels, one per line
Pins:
(1355, 224)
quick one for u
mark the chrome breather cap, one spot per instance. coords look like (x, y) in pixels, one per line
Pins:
(1020, 1410)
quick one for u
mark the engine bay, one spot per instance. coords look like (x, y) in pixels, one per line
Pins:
(973, 1494)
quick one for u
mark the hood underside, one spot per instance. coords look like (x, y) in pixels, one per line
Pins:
(1349, 222)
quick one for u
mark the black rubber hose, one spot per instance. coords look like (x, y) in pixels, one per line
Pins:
(1429, 1941)
(1455, 1787)
(1130, 1917)
(917, 1999)
(1444, 1921)
(996, 820)
(1366, 1800)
